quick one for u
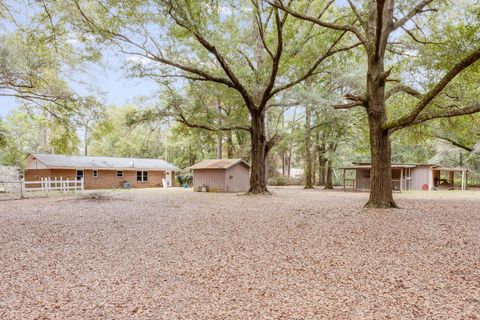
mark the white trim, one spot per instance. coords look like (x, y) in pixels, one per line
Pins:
(76, 174)
(142, 175)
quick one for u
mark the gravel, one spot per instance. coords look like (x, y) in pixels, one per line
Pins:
(299, 254)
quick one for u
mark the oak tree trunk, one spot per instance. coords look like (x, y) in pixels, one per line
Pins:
(314, 168)
(381, 195)
(259, 153)
(230, 148)
(219, 146)
(85, 141)
(308, 151)
(220, 134)
(381, 173)
(329, 172)
(290, 145)
(321, 165)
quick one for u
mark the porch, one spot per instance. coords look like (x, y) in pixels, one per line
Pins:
(444, 178)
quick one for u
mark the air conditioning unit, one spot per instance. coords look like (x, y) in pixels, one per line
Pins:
(127, 185)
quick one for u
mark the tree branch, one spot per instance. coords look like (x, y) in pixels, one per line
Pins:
(343, 27)
(434, 92)
(314, 67)
(416, 10)
(150, 55)
(427, 116)
(402, 88)
(350, 105)
(455, 143)
(267, 93)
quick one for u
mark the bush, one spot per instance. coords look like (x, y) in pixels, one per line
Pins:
(185, 178)
(277, 181)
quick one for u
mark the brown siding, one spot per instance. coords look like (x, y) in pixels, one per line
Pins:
(213, 178)
(219, 179)
(420, 175)
(238, 179)
(107, 179)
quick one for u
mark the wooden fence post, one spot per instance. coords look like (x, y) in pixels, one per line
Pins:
(22, 185)
(48, 185)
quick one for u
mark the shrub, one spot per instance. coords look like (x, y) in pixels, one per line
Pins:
(185, 178)
(277, 181)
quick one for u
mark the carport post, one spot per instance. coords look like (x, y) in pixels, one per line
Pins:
(401, 179)
(451, 177)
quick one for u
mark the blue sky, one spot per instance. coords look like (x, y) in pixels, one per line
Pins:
(109, 79)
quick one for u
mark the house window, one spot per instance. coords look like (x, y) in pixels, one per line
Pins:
(119, 174)
(95, 173)
(142, 176)
(79, 175)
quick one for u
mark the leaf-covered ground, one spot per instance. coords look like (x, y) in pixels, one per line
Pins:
(299, 254)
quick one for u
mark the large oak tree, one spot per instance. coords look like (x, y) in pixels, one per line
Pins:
(249, 47)
(382, 26)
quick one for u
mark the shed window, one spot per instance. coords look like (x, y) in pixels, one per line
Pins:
(95, 173)
(142, 176)
(79, 175)
(119, 173)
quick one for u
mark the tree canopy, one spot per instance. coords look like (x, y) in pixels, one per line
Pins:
(286, 85)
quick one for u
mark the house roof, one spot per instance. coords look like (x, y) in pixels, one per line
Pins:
(217, 164)
(88, 162)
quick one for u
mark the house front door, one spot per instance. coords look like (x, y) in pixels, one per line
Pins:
(168, 177)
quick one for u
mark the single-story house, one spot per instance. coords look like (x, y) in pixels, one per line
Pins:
(225, 175)
(418, 176)
(101, 172)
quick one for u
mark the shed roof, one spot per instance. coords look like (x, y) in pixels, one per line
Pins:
(217, 164)
(369, 166)
(456, 169)
(88, 162)
(366, 166)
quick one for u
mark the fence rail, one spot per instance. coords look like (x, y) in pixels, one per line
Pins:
(364, 184)
(44, 185)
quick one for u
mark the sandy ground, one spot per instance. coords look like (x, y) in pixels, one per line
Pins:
(175, 254)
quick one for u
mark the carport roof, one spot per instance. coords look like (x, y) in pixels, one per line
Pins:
(217, 164)
(88, 162)
(368, 166)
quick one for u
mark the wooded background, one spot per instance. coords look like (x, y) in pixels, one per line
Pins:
(311, 85)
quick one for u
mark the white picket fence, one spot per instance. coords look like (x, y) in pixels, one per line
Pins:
(46, 185)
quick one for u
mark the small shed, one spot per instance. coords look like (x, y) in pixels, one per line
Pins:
(221, 175)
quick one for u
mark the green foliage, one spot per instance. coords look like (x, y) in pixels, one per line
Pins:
(278, 181)
(30, 131)
(185, 179)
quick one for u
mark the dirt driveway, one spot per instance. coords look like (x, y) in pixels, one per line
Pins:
(175, 254)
